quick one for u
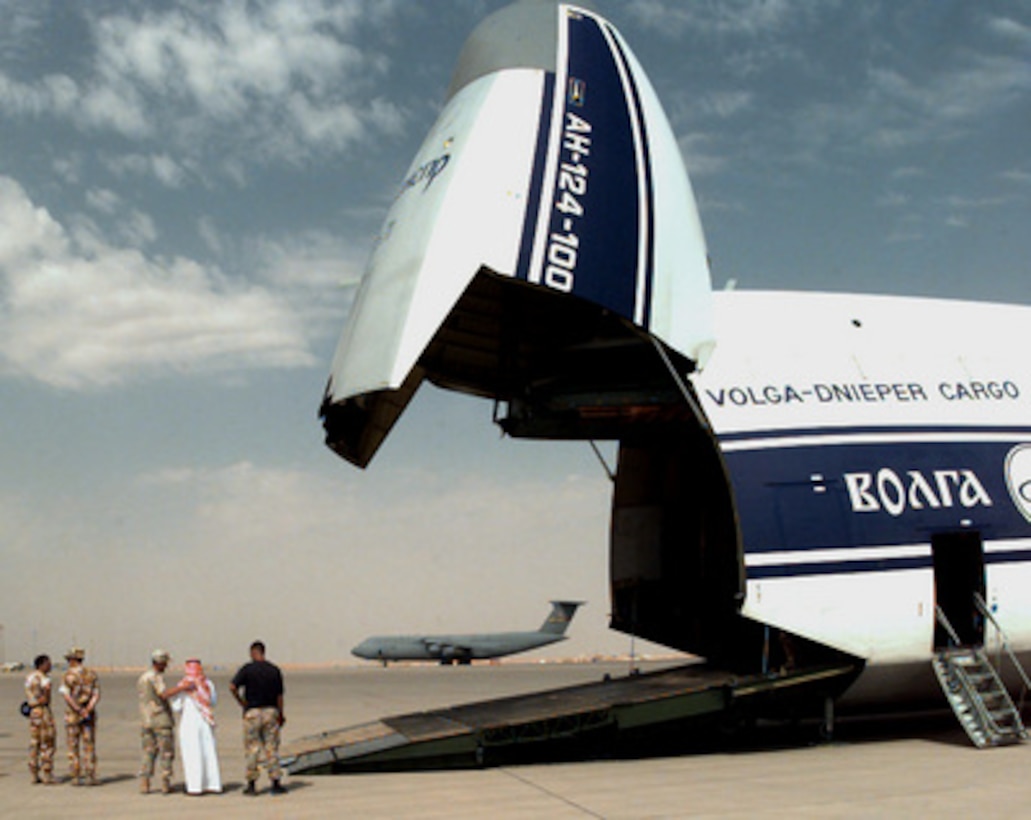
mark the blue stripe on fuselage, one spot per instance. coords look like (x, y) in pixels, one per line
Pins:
(855, 491)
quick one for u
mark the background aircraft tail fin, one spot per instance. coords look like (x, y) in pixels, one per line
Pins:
(558, 619)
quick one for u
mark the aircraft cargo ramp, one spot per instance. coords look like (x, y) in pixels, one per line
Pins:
(588, 720)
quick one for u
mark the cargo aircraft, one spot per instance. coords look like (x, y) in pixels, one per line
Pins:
(802, 477)
(463, 649)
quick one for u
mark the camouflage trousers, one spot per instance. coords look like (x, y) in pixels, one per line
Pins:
(261, 741)
(157, 743)
(42, 741)
(82, 748)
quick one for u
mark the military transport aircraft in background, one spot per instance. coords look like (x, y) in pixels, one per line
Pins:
(463, 649)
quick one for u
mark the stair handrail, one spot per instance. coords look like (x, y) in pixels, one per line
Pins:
(1004, 641)
(944, 621)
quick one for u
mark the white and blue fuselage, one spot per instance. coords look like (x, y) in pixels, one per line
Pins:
(855, 431)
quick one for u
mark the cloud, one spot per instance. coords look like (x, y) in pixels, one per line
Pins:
(278, 80)
(730, 18)
(289, 77)
(832, 84)
(1017, 176)
(893, 199)
(965, 203)
(895, 110)
(962, 211)
(699, 154)
(22, 28)
(165, 169)
(1010, 29)
(314, 273)
(137, 229)
(979, 84)
(908, 172)
(725, 104)
(78, 312)
(103, 199)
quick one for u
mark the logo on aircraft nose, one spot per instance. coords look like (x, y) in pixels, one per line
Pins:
(1018, 478)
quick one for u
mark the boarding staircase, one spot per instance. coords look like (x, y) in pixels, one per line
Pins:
(974, 688)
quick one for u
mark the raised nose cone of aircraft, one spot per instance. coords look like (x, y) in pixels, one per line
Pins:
(520, 35)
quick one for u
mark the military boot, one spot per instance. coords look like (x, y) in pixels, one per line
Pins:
(144, 785)
(166, 785)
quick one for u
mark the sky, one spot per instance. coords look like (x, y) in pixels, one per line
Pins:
(189, 192)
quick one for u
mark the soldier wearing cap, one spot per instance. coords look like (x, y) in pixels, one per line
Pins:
(156, 721)
(81, 690)
(42, 732)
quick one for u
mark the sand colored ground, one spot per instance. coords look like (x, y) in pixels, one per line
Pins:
(877, 769)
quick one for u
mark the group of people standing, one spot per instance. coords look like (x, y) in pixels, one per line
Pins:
(80, 689)
(194, 697)
(257, 687)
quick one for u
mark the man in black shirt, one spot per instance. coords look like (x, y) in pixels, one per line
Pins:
(262, 702)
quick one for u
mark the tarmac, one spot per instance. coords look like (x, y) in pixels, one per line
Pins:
(899, 767)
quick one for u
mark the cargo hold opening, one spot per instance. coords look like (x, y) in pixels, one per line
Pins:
(562, 368)
(676, 570)
(566, 369)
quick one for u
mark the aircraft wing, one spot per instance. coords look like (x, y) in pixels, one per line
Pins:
(553, 172)
(446, 649)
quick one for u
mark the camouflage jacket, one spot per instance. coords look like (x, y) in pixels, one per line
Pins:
(155, 711)
(82, 686)
(37, 689)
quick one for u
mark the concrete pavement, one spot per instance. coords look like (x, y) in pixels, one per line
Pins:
(875, 768)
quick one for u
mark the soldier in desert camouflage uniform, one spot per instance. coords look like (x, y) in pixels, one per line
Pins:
(81, 691)
(42, 732)
(156, 722)
(258, 688)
